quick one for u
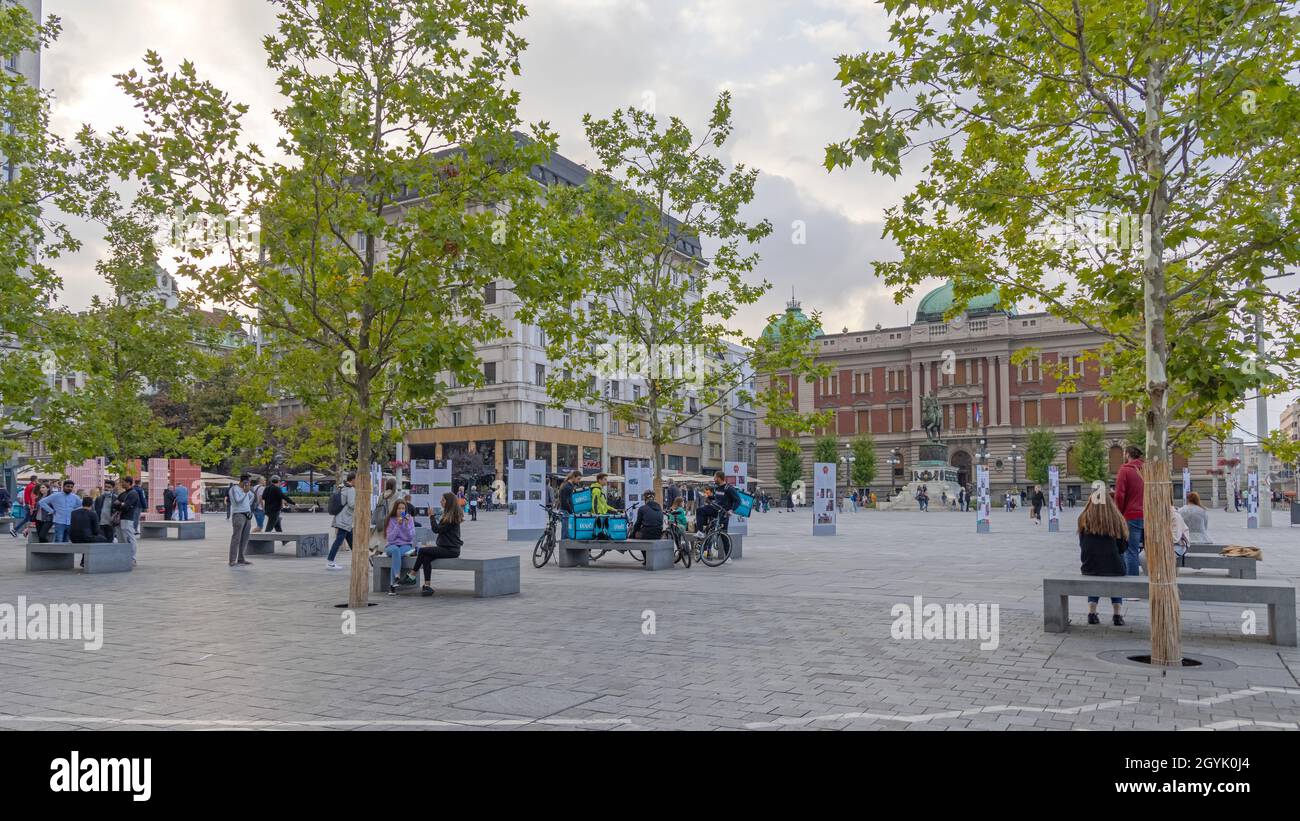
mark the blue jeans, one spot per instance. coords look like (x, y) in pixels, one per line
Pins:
(60, 532)
(338, 541)
(395, 552)
(1134, 546)
(1113, 599)
(183, 512)
(260, 516)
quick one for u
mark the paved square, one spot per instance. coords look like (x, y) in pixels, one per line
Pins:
(796, 635)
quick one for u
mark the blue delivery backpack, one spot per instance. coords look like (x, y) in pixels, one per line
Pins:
(615, 527)
(746, 505)
(582, 528)
(582, 500)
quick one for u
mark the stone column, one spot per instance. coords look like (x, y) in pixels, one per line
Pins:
(1005, 388)
(986, 386)
(917, 375)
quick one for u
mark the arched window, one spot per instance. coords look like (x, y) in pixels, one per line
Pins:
(1071, 464)
(1116, 459)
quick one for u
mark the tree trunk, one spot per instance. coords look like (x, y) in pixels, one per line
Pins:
(1162, 571)
(358, 590)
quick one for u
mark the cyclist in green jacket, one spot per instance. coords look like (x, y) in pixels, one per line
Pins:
(599, 501)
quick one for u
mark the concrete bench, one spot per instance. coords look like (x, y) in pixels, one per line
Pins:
(658, 552)
(1280, 598)
(1238, 567)
(192, 529)
(305, 544)
(492, 577)
(101, 557)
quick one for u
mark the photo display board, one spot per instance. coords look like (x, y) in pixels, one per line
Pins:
(737, 473)
(982, 498)
(525, 495)
(430, 478)
(637, 478)
(823, 504)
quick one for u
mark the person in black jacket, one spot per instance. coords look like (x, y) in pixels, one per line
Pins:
(448, 545)
(566, 500)
(169, 502)
(273, 501)
(724, 500)
(127, 506)
(85, 526)
(1037, 500)
(649, 518)
(1103, 540)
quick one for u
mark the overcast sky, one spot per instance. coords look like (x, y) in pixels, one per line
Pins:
(776, 57)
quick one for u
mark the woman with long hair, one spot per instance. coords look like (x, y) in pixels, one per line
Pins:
(1103, 540)
(447, 546)
(400, 530)
(1197, 519)
(379, 517)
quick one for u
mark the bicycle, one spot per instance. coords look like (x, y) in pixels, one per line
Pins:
(682, 548)
(545, 547)
(714, 545)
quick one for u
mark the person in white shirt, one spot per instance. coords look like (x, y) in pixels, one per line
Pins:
(241, 519)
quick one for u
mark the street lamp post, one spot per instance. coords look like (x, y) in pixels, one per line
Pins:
(1015, 456)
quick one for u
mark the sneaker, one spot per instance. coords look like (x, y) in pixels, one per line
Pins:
(392, 590)
(426, 591)
(411, 552)
(1093, 618)
(1117, 620)
(409, 580)
(244, 561)
(333, 566)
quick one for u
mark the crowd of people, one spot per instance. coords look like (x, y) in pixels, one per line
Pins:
(62, 512)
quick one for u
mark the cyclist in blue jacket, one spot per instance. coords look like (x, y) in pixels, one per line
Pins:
(724, 500)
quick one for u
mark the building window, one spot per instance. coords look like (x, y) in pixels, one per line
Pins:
(490, 372)
(593, 421)
(613, 390)
(492, 413)
(490, 294)
(539, 375)
(568, 419)
(636, 392)
(516, 449)
(539, 414)
(455, 417)
(542, 451)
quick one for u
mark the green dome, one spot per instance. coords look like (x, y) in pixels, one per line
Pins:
(793, 313)
(939, 301)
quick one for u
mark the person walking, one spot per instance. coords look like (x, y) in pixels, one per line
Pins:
(447, 545)
(104, 510)
(1197, 519)
(59, 506)
(273, 501)
(241, 519)
(1037, 501)
(399, 528)
(1103, 548)
(41, 520)
(471, 504)
(127, 507)
(343, 520)
(1128, 498)
(182, 503)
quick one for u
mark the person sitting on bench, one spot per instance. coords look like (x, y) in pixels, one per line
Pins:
(85, 526)
(1103, 540)
(400, 531)
(448, 546)
(649, 518)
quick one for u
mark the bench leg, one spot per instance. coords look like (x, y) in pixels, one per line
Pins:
(1056, 612)
(379, 579)
(312, 546)
(115, 560)
(496, 582)
(259, 548)
(152, 533)
(658, 560)
(574, 558)
(37, 562)
(1281, 624)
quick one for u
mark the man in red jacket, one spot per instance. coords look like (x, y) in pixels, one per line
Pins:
(1128, 497)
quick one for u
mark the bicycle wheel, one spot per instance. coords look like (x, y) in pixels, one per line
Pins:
(596, 554)
(637, 555)
(716, 549)
(543, 550)
(683, 551)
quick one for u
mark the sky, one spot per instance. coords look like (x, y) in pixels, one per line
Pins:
(776, 57)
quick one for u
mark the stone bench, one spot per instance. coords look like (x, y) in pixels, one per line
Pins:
(158, 529)
(305, 544)
(1280, 598)
(1238, 567)
(492, 577)
(101, 557)
(658, 552)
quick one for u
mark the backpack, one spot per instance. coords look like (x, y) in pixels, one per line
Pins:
(336, 503)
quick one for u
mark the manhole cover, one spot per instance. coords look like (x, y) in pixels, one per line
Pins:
(1136, 658)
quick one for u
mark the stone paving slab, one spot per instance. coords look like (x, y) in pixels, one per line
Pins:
(797, 636)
